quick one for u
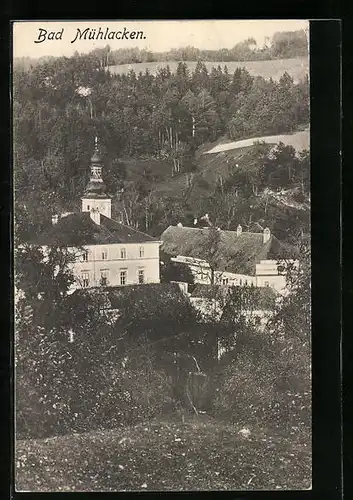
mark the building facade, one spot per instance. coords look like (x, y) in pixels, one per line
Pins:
(241, 258)
(104, 252)
(118, 264)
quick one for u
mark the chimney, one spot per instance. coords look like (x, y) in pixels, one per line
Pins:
(266, 235)
(239, 230)
(179, 224)
(195, 222)
(54, 219)
(95, 215)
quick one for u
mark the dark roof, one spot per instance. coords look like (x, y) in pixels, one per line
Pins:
(79, 229)
(162, 293)
(235, 253)
(161, 298)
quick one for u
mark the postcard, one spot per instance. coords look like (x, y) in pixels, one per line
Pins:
(162, 255)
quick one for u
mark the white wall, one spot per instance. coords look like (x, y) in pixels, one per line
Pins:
(234, 279)
(267, 274)
(103, 205)
(114, 263)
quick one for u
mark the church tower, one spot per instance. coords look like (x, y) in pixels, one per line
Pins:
(95, 198)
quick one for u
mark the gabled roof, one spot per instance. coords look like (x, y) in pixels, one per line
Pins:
(79, 229)
(235, 253)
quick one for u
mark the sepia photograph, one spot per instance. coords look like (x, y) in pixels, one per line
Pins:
(162, 255)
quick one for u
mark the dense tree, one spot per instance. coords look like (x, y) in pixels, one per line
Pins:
(60, 105)
(293, 317)
(289, 44)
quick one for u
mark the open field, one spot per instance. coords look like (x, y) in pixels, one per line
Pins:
(297, 68)
(200, 454)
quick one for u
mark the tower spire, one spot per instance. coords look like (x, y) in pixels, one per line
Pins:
(95, 196)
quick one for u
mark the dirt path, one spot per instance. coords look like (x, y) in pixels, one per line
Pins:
(299, 140)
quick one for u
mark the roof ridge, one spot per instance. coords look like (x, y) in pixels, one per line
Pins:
(222, 230)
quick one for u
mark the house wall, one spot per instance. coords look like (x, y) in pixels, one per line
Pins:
(267, 274)
(277, 282)
(104, 205)
(234, 279)
(114, 263)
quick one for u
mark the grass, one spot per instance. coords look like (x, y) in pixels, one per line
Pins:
(297, 68)
(200, 454)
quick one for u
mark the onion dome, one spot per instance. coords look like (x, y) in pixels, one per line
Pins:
(96, 158)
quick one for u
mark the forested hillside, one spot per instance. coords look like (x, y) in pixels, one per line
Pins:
(151, 129)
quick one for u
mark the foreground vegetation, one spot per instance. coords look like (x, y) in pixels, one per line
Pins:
(147, 383)
(199, 454)
(130, 380)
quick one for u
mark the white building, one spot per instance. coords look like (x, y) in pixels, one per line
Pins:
(242, 258)
(107, 252)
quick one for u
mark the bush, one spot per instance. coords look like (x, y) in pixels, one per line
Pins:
(65, 393)
(268, 386)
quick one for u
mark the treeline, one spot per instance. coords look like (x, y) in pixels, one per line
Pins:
(283, 45)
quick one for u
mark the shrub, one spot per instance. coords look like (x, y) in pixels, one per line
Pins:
(267, 386)
(69, 391)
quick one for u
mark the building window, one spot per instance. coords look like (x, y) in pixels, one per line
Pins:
(85, 256)
(240, 282)
(225, 281)
(267, 283)
(142, 252)
(85, 279)
(104, 277)
(104, 254)
(141, 276)
(123, 253)
(87, 207)
(123, 276)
